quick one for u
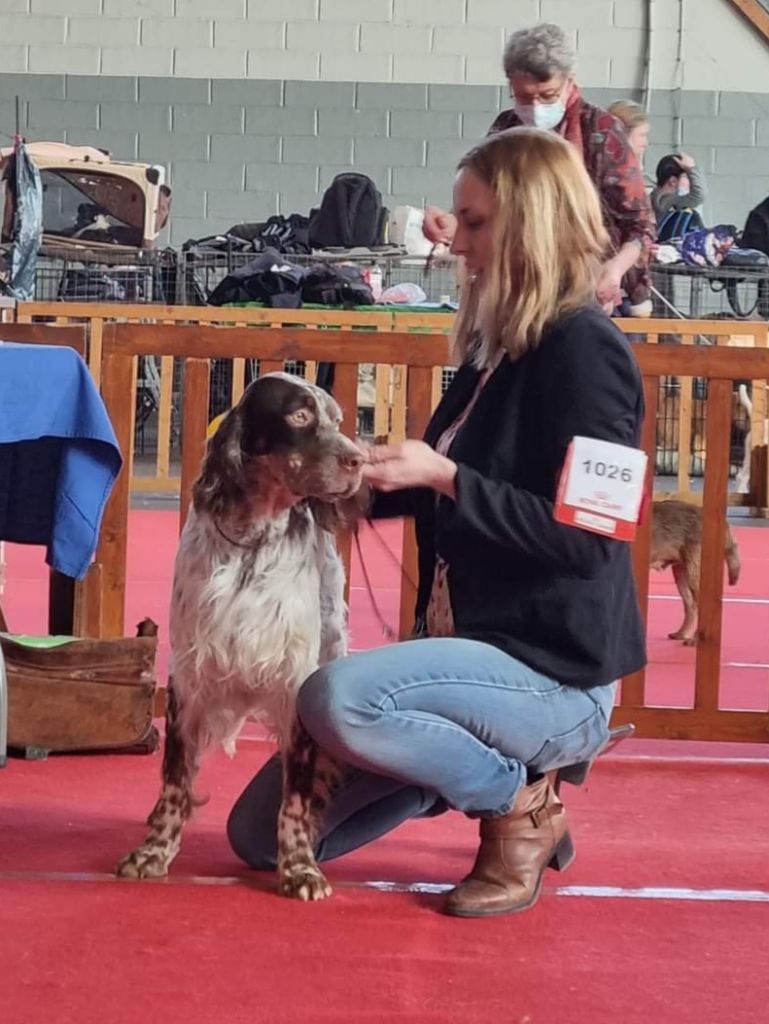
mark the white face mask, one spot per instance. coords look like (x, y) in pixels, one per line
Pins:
(541, 115)
(683, 190)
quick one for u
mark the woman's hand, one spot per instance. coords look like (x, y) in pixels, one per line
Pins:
(439, 226)
(609, 284)
(394, 467)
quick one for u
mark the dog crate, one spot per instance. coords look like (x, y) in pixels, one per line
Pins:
(710, 293)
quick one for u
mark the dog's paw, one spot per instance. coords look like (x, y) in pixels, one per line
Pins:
(143, 862)
(305, 883)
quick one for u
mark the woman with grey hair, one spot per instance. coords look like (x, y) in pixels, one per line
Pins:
(539, 64)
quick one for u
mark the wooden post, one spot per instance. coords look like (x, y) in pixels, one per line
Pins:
(633, 686)
(163, 455)
(719, 414)
(118, 369)
(194, 424)
(238, 380)
(685, 412)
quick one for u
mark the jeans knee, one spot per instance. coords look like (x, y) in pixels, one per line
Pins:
(252, 823)
(328, 709)
(254, 845)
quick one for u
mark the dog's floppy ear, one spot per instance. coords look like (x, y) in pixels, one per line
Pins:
(344, 514)
(220, 482)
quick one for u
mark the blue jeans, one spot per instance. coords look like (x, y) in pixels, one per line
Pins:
(427, 725)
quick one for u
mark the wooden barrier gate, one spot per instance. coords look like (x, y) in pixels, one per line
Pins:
(678, 410)
(100, 605)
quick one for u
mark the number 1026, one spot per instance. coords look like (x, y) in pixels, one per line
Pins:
(611, 471)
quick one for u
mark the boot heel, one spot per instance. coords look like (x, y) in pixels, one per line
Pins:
(563, 854)
(574, 774)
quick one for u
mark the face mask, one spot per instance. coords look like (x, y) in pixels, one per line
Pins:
(682, 190)
(541, 115)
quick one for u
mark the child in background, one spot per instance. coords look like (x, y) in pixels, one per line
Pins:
(680, 185)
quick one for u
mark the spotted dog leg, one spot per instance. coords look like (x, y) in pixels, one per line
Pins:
(310, 778)
(175, 803)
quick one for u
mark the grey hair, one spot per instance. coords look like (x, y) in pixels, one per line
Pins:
(542, 52)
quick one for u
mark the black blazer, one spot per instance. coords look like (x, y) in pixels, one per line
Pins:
(560, 599)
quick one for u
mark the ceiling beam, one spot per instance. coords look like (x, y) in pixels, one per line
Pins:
(755, 13)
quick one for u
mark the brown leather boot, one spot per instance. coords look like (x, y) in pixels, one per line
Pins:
(514, 852)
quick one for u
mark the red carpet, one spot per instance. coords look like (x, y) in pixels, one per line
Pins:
(108, 951)
(121, 954)
(670, 679)
(636, 824)
(217, 946)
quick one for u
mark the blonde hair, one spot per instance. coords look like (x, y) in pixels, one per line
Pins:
(549, 242)
(631, 114)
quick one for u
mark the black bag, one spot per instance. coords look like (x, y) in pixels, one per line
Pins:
(752, 260)
(756, 233)
(267, 278)
(678, 223)
(351, 214)
(286, 234)
(328, 285)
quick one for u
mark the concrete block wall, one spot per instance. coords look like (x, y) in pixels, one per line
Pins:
(253, 106)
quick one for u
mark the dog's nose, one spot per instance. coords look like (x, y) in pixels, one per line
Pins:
(351, 460)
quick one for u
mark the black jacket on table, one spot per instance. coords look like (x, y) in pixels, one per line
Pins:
(558, 598)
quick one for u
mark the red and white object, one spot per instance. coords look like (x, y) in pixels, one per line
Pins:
(601, 488)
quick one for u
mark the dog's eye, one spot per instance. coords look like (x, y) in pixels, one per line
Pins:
(300, 417)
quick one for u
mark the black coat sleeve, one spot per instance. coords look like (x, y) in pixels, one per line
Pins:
(395, 504)
(593, 389)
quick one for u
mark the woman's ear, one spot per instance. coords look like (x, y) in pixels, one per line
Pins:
(344, 514)
(221, 479)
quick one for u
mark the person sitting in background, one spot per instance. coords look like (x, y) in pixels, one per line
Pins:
(539, 65)
(680, 185)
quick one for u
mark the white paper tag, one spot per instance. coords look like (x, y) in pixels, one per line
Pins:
(602, 487)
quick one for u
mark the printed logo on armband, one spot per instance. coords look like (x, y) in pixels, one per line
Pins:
(601, 488)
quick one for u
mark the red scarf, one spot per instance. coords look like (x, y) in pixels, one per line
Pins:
(571, 126)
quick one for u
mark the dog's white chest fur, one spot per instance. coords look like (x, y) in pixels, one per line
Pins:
(246, 621)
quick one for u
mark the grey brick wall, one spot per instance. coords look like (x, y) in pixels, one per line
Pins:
(240, 150)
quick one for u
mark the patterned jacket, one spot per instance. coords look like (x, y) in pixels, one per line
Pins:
(615, 171)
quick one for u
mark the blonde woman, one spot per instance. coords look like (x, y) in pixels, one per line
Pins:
(635, 121)
(524, 624)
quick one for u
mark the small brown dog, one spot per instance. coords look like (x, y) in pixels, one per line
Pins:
(677, 542)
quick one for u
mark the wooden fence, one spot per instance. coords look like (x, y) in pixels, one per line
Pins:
(680, 436)
(390, 400)
(100, 603)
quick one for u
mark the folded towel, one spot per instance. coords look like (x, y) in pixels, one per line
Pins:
(59, 456)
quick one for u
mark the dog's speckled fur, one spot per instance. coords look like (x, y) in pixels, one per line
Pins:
(257, 605)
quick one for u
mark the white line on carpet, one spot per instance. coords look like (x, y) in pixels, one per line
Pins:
(605, 892)
(424, 888)
(726, 600)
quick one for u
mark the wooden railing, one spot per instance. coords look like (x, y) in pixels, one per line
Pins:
(680, 430)
(721, 367)
(390, 393)
(101, 597)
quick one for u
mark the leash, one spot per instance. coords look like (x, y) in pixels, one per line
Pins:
(235, 543)
(387, 630)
